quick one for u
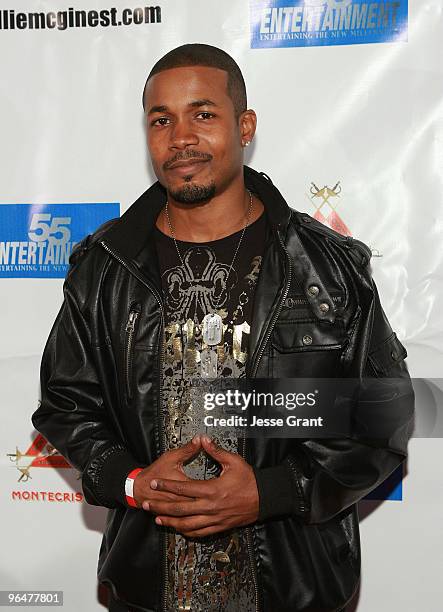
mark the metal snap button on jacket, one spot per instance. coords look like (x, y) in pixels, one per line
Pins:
(313, 290)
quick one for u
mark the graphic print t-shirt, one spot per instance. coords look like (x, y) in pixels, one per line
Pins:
(210, 574)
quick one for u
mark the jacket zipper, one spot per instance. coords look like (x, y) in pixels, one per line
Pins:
(159, 403)
(276, 312)
(129, 329)
(164, 586)
(253, 374)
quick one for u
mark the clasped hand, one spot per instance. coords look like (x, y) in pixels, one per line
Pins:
(197, 508)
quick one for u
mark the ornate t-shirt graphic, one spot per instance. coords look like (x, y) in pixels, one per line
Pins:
(213, 573)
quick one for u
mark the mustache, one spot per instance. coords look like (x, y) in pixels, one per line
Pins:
(186, 155)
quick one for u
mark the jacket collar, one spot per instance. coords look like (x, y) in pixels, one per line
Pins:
(129, 234)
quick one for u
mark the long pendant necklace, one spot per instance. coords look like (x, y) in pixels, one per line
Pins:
(212, 331)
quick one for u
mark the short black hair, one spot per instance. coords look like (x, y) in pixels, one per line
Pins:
(198, 54)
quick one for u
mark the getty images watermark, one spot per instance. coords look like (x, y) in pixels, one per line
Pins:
(368, 408)
(244, 401)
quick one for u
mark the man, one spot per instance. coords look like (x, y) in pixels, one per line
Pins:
(210, 274)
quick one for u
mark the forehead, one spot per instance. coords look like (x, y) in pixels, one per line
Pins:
(180, 85)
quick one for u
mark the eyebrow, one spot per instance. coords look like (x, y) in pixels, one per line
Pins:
(193, 104)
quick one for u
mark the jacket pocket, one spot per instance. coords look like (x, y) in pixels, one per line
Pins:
(307, 335)
(306, 348)
(387, 355)
(130, 331)
(340, 540)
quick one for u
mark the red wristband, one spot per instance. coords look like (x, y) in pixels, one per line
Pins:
(129, 487)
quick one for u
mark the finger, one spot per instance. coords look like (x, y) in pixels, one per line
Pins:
(163, 496)
(186, 524)
(189, 450)
(179, 508)
(192, 488)
(217, 452)
(148, 493)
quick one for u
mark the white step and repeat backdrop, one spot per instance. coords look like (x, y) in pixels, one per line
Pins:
(350, 127)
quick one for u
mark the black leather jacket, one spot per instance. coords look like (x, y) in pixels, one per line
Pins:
(101, 391)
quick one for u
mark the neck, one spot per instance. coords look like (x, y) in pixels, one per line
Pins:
(222, 215)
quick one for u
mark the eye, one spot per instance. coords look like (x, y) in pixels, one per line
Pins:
(206, 114)
(160, 121)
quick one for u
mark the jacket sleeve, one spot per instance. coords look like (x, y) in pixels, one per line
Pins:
(323, 477)
(72, 415)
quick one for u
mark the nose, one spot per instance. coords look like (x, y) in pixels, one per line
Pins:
(182, 135)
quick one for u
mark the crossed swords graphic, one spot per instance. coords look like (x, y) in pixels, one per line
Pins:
(333, 219)
(37, 458)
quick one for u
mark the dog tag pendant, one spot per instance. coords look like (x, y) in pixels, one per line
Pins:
(212, 329)
(208, 363)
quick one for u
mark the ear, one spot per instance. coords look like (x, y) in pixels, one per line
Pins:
(247, 125)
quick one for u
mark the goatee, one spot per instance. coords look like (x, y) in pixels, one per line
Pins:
(194, 194)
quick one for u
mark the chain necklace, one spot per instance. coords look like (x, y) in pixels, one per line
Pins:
(212, 322)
